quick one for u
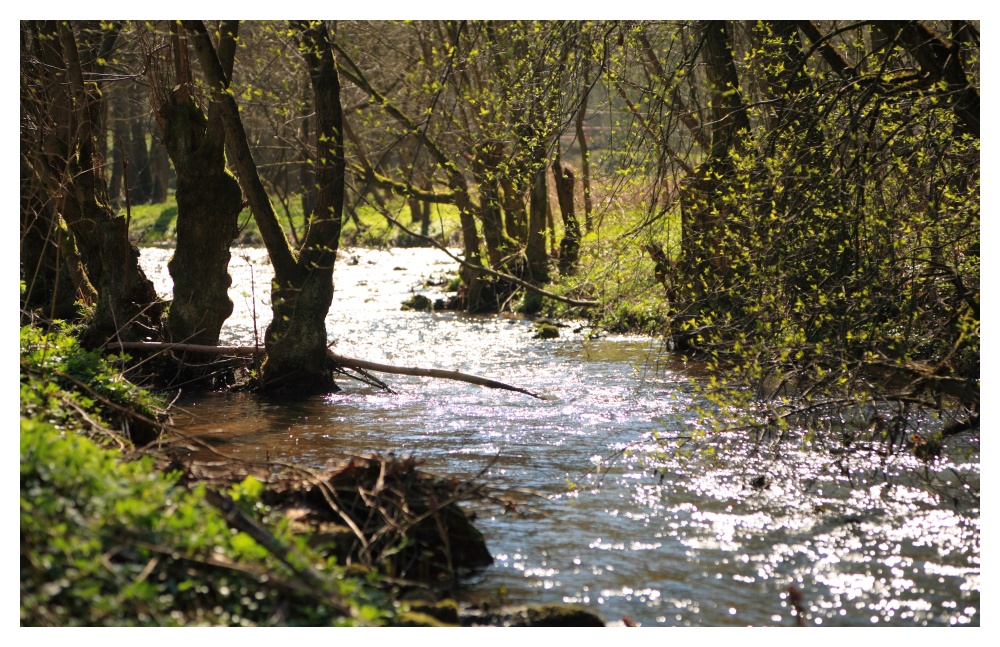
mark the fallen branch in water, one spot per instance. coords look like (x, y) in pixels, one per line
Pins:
(342, 360)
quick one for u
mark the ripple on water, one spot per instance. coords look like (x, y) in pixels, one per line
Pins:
(666, 539)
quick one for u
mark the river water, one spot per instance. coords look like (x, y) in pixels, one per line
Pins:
(666, 538)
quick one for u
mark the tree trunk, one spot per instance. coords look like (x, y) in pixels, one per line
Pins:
(208, 205)
(65, 164)
(498, 245)
(296, 337)
(700, 207)
(307, 180)
(160, 166)
(140, 176)
(569, 246)
(538, 259)
(117, 167)
(302, 291)
(472, 279)
(425, 217)
(49, 285)
(581, 138)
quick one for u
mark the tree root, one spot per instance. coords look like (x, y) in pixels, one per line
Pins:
(340, 360)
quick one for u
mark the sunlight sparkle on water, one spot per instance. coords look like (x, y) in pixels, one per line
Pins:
(666, 539)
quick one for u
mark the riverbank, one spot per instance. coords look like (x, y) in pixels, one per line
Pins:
(126, 521)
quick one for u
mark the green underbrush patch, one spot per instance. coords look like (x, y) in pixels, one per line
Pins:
(614, 270)
(67, 386)
(377, 231)
(105, 541)
(153, 223)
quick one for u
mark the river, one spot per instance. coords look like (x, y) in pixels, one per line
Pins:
(664, 538)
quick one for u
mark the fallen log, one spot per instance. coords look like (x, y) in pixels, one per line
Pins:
(340, 360)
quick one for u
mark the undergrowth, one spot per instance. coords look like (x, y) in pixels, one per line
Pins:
(105, 541)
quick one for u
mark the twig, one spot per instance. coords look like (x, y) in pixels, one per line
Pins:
(240, 521)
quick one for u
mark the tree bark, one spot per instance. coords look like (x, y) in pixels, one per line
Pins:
(208, 204)
(538, 259)
(140, 176)
(581, 138)
(484, 168)
(569, 246)
(303, 288)
(160, 166)
(65, 165)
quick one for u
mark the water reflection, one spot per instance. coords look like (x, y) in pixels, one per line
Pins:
(665, 538)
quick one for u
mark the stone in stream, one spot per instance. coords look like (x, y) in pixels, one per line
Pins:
(417, 302)
(546, 331)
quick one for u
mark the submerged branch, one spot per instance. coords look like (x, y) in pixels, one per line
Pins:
(341, 360)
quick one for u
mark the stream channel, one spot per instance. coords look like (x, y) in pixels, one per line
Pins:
(679, 540)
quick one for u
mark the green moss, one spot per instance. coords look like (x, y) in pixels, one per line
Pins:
(416, 619)
(445, 611)
(417, 302)
(531, 303)
(546, 331)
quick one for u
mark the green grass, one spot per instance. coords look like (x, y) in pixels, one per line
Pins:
(153, 223)
(157, 224)
(615, 270)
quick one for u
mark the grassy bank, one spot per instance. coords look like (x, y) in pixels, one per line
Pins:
(107, 538)
(153, 224)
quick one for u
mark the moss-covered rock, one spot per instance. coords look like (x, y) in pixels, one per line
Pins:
(535, 615)
(417, 619)
(445, 611)
(546, 331)
(417, 302)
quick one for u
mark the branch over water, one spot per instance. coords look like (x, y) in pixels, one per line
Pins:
(341, 360)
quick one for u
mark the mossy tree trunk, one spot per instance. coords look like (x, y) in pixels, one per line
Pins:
(208, 200)
(66, 163)
(538, 258)
(569, 246)
(53, 274)
(296, 338)
(581, 138)
(485, 170)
